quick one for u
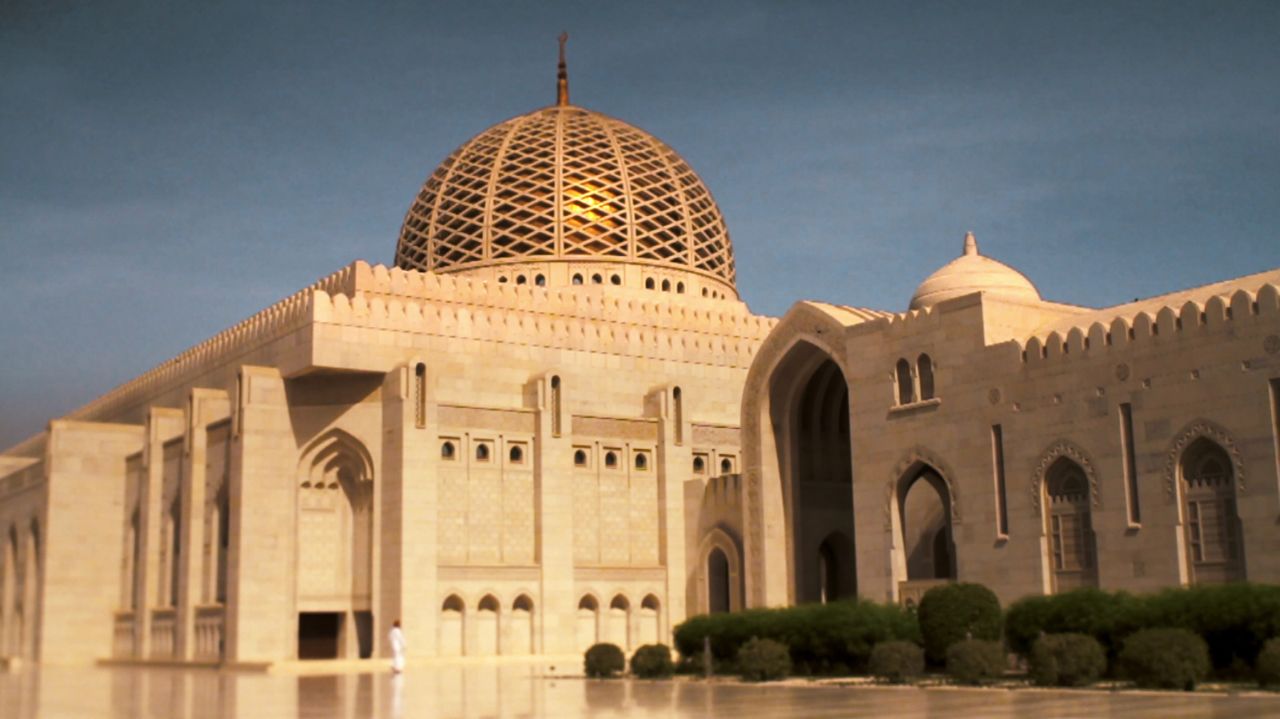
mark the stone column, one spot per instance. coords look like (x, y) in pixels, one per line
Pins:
(162, 424)
(261, 619)
(553, 492)
(409, 510)
(674, 462)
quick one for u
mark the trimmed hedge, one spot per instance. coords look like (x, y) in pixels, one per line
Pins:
(1165, 659)
(896, 661)
(1234, 619)
(1267, 669)
(652, 661)
(763, 660)
(1067, 660)
(975, 661)
(822, 638)
(604, 660)
(952, 612)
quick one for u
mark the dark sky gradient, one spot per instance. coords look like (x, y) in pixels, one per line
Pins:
(167, 169)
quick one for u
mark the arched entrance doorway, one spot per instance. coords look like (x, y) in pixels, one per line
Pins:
(924, 545)
(717, 581)
(810, 407)
(1211, 524)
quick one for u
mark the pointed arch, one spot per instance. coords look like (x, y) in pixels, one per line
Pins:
(335, 523)
(1212, 531)
(720, 585)
(1071, 545)
(1075, 453)
(1190, 433)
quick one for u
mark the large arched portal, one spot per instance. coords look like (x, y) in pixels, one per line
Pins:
(810, 407)
(335, 548)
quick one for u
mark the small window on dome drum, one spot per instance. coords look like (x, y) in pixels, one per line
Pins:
(577, 279)
(648, 284)
(615, 280)
(680, 288)
(666, 285)
(520, 279)
(540, 281)
(502, 280)
(597, 279)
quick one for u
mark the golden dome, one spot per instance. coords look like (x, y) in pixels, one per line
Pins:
(972, 272)
(565, 184)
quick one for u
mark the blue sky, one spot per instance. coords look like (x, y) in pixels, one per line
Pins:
(167, 169)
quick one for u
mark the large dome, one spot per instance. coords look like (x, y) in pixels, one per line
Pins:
(568, 185)
(972, 272)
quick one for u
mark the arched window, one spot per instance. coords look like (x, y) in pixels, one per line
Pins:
(597, 279)
(615, 279)
(649, 620)
(666, 285)
(482, 452)
(577, 279)
(580, 458)
(610, 460)
(502, 280)
(648, 283)
(699, 465)
(521, 621)
(680, 288)
(486, 631)
(520, 279)
(447, 451)
(906, 393)
(540, 281)
(924, 370)
(704, 291)
(642, 461)
(516, 455)
(452, 613)
(726, 465)
(1069, 524)
(619, 626)
(1212, 524)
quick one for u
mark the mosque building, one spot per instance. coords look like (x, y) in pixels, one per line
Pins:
(554, 422)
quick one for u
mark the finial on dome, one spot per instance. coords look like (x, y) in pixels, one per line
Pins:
(970, 244)
(562, 75)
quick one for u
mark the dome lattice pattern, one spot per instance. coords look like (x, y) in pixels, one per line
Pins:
(565, 183)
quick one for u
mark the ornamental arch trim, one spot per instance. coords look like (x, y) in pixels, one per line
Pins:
(1054, 452)
(1194, 430)
(919, 456)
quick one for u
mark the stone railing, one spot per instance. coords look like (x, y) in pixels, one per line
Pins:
(122, 637)
(164, 624)
(209, 631)
(911, 591)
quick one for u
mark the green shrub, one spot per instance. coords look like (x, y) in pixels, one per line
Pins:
(763, 660)
(652, 661)
(1235, 620)
(604, 660)
(822, 638)
(1267, 668)
(1067, 660)
(952, 612)
(975, 661)
(1106, 617)
(1166, 658)
(896, 661)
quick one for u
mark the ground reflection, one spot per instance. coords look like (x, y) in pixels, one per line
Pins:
(516, 691)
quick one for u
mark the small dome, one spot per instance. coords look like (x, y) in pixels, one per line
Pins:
(969, 273)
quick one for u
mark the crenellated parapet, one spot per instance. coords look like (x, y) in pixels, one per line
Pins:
(1220, 314)
(688, 313)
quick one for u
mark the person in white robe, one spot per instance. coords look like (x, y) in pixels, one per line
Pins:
(398, 645)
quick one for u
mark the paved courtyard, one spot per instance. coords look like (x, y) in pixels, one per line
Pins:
(512, 691)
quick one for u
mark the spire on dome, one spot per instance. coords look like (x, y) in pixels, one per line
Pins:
(562, 75)
(970, 244)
